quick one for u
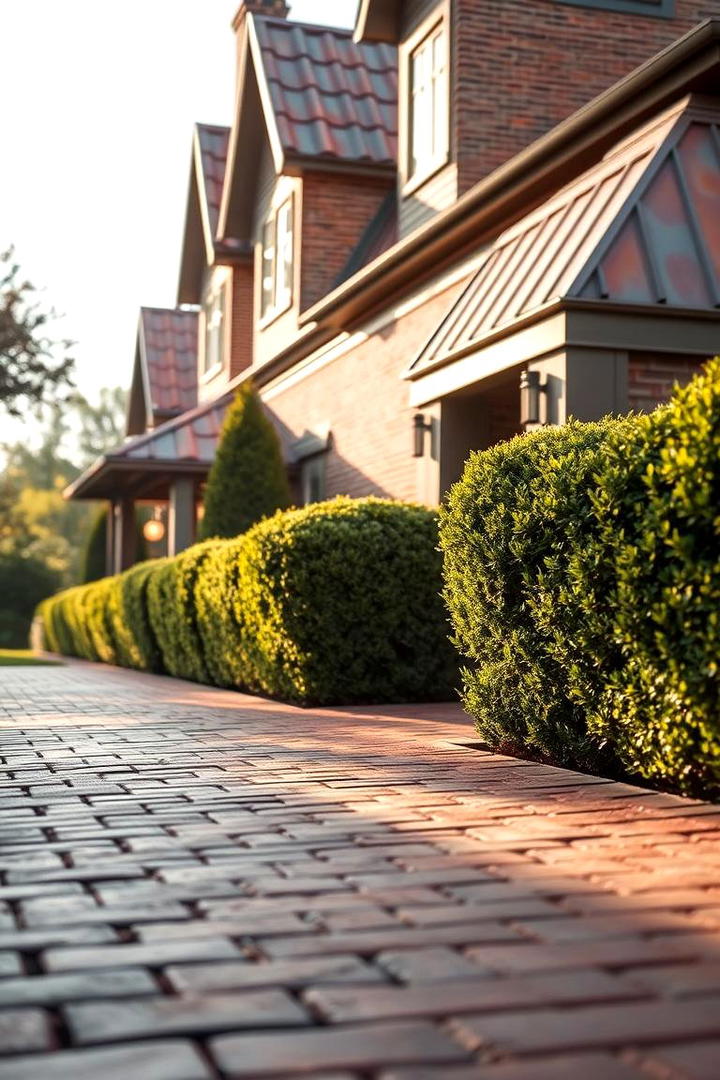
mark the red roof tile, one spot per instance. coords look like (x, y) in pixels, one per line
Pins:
(213, 143)
(331, 97)
(169, 340)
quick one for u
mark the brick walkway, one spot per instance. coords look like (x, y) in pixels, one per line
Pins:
(198, 884)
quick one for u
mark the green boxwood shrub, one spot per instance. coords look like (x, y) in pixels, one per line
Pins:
(135, 643)
(507, 531)
(582, 572)
(172, 610)
(337, 602)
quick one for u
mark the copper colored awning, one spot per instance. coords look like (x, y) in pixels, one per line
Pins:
(641, 228)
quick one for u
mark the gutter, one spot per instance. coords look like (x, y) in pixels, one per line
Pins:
(521, 183)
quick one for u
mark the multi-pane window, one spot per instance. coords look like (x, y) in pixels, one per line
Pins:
(277, 261)
(214, 330)
(428, 104)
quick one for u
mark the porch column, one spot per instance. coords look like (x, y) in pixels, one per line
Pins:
(181, 515)
(125, 530)
(582, 382)
(110, 538)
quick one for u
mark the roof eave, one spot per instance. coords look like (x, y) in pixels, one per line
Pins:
(522, 182)
(378, 22)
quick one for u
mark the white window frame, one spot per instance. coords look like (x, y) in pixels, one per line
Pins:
(215, 330)
(277, 261)
(427, 102)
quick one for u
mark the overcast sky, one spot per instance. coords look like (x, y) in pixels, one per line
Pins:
(98, 105)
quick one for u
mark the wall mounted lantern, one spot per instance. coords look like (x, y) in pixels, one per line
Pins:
(420, 426)
(530, 390)
(154, 528)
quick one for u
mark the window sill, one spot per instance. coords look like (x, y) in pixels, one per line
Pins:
(212, 373)
(273, 315)
(413, 183)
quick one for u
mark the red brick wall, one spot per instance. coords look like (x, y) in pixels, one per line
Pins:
(336, 211)
(651, 378)
(241, 326)
(522, 66)
(364, 399)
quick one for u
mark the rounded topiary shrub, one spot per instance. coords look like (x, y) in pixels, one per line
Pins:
(341, 602)
(247, 481)
(135, 642)
(508, 531)
(172, 612)
(658, 502)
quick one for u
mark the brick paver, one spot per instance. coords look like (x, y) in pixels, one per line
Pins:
(199, 885)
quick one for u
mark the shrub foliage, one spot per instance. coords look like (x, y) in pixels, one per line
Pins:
(339, 602)
(247, 481)
(582, 572)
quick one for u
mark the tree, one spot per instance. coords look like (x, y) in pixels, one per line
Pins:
(247, 481)
(29, 372)
(94, 565)
(101, 426)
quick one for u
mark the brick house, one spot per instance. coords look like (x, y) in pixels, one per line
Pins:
(467, 218)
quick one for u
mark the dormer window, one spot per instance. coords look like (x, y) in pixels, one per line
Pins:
(214, 311)
(277, 261)
(429, 104)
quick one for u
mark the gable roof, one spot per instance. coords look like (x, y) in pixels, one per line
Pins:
(642, 227)
(207, 174)
(330, 97)
(212, 146)
(165, 372)
(324, 100)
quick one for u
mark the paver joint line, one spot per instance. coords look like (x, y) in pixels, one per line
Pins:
(196, 884)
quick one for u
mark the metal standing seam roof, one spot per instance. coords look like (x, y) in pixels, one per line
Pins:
(331, 98)
(213, 147)
(642, 227)
(169, 342)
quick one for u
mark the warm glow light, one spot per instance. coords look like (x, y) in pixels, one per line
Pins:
(153, 530)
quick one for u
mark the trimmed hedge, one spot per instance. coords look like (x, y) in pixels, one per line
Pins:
(582, 572)
(337, 602)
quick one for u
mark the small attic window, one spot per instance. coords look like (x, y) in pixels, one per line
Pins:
(664, 9)
(429, 104)
(214, 313)
(277, 261)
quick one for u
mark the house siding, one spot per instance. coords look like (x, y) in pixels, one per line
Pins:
(364, 399)
(241, 314)
(651, 379)
(338, 207)
(522, 66)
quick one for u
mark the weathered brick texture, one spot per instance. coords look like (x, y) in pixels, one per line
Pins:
(364, 398)
(651, 379)
(336, 210)
(522, 66)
